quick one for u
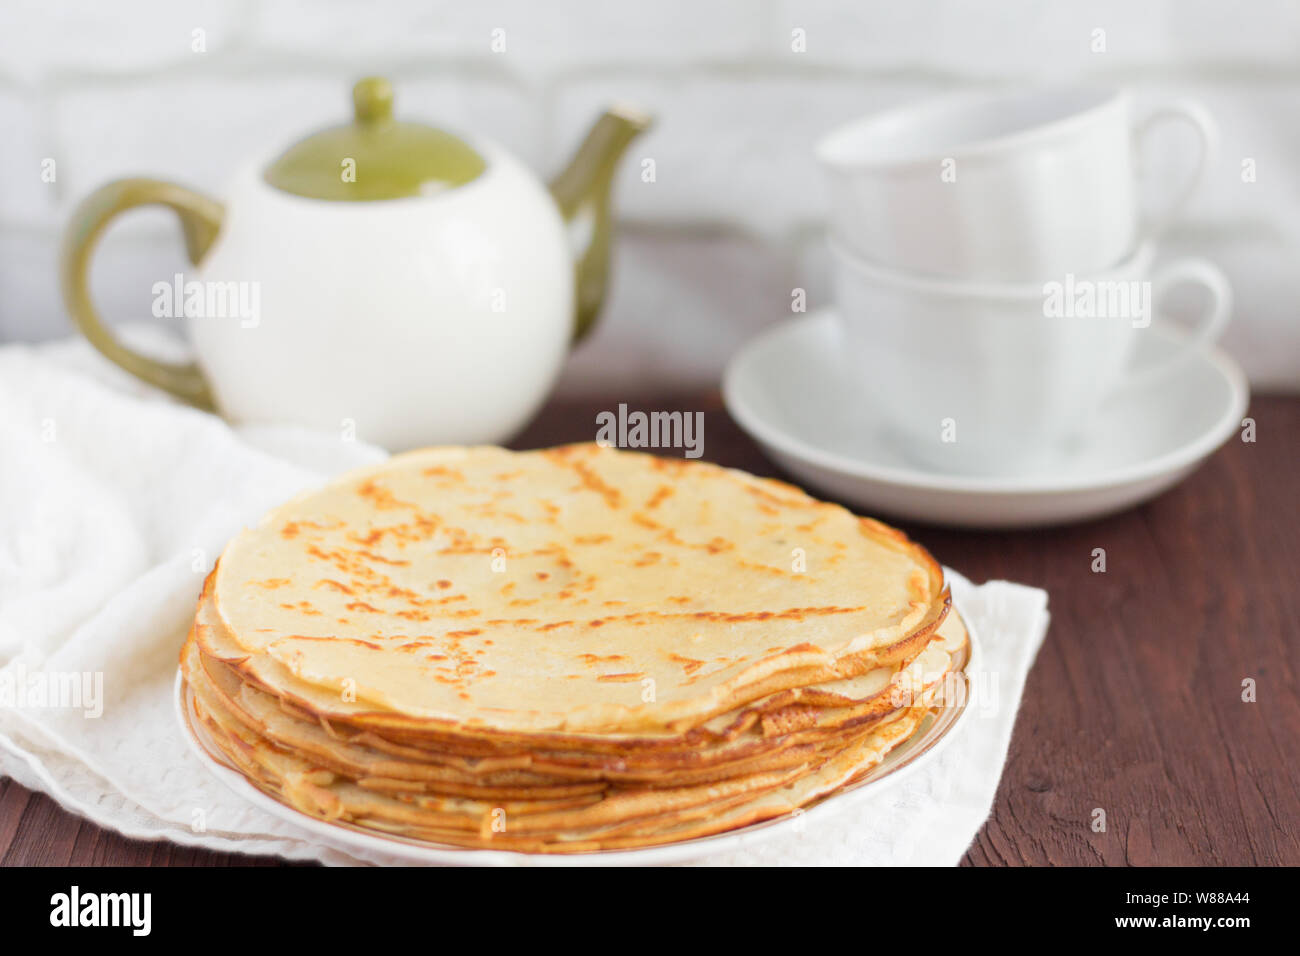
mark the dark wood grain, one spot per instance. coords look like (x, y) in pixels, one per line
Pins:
(1135, 704)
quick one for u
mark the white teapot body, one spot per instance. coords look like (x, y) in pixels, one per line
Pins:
(455, 335)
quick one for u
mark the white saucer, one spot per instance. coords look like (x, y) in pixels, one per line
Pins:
(785, 390)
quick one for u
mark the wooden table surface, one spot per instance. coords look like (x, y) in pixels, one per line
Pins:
(1134, 706)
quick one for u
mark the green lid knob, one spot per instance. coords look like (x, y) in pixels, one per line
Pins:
(372, 99)
(376, 157)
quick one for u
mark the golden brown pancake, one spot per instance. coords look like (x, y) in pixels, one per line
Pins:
(563, 651)
(578, 589)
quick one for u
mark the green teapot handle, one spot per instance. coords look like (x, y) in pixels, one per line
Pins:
(200, 221)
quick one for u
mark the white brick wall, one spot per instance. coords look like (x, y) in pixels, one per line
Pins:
(713, 247)
(729, 148)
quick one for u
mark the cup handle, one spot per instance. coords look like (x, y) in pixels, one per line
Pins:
(1207, 130)
(1209, 325)
(200, 221)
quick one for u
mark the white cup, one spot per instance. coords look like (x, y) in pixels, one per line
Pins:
(990, 379)
(1000, 187)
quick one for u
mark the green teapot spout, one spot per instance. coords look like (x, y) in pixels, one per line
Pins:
(582, 191)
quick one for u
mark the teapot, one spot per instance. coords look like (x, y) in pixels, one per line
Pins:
(384, 278)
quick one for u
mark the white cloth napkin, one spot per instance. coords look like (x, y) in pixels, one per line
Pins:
(114, 502)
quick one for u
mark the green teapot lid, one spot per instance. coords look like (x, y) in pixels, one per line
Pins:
(375, 156)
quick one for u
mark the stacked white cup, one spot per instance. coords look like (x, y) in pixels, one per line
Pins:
(993, 271)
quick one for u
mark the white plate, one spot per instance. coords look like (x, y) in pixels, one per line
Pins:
(784, 389)
(919, 749)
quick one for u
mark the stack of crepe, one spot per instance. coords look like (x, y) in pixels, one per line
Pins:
(563, 651)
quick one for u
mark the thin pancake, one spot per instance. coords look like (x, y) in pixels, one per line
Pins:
(579, 590)
(720, 809)
(861, 699)
(822, 685)
(560, 822)
(564, 824)
(759, 749)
